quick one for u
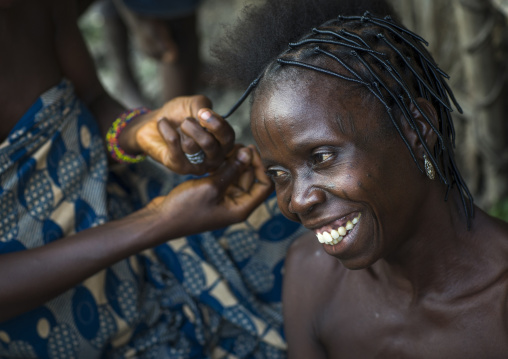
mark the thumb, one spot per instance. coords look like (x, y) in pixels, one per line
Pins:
(232, 168)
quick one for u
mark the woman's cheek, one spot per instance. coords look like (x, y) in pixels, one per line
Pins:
(283, 200)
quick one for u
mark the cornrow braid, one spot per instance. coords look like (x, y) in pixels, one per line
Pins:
(392, 63)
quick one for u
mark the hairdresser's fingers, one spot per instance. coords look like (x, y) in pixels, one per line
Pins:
(180, 152)
(225, 179)
(188, 144)
(218, 127)
(262, 182)
(197, 135)
(179, 108)
(248, 177)
(170, 153)
(243, 201)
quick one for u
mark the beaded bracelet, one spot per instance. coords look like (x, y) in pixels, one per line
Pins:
(114, 131)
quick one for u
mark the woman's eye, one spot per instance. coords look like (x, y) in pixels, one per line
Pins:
(275, 173)
(322, 157)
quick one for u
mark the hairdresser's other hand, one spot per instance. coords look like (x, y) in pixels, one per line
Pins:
(182, 125)
(226, 196)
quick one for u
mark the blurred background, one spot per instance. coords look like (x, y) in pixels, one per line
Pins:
(148, 54)
(136, 77)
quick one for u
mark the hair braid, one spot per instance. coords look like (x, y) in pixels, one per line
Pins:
(392, 63)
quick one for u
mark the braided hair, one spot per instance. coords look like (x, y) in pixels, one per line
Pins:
(393, 65)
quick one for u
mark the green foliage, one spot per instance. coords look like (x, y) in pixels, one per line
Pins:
(500, 210)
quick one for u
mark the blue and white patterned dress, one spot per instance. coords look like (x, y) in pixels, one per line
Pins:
(212, 295)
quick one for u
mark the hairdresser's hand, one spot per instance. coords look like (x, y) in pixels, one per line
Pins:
(182, 125)
(224, 197)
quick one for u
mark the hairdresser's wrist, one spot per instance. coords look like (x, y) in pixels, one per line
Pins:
(161, 221)
(127, 139)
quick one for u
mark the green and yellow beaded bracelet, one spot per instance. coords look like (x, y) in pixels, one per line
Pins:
(116, 152)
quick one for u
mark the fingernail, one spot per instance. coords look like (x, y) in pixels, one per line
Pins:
(243, 156)
(205, 116)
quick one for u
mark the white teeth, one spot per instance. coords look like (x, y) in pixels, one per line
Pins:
(342, 231)
(336, 235)
(320, 238)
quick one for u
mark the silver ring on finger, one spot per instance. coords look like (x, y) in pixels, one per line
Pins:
(196, 158)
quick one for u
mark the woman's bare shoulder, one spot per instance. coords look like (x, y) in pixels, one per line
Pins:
(491, 233)
(307, 264)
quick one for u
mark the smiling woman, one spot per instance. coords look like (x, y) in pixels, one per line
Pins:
(327, 174)
(353, 124)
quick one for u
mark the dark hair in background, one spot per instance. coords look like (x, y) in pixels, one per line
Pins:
(371, 50)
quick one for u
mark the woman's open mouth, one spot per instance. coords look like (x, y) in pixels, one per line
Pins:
(335, 235)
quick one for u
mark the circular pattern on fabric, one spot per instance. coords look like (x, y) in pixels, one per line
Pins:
(39, 196)
(4, 337)
(8, 216)
(14, 136)
(107, 327)
(43, 328)
(127, 299)
(258, 277)
(244, 345)
(278, 228)
(270, 352)
(148, 345)
(21, 349)
(180, 349)
(242, 244)
(63, 342)
(51, 231)
(98, 161)
(85, 215)
(194, 278)
(154, 271)
(86, 313)
(236, 316)
(5, 165)
(85, 137)
(70, 173)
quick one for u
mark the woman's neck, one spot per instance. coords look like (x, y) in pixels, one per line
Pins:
(437, 254)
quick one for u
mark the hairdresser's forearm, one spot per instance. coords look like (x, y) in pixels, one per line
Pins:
(105, 110)
(31, 277)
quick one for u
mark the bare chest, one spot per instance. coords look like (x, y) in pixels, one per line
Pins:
(377, 327)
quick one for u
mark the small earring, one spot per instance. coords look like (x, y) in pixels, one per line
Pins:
(429, 168)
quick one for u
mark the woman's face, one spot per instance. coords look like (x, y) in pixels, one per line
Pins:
(336, 163)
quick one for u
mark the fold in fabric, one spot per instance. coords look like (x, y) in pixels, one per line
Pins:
(212, 295)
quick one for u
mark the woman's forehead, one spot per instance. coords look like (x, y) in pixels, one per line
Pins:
(314, 96)
(307, 109)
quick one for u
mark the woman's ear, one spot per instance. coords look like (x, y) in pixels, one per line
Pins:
(426, 120)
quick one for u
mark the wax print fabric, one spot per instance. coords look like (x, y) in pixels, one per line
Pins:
(212, 295)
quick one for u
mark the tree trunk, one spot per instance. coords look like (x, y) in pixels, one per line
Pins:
(485, 74)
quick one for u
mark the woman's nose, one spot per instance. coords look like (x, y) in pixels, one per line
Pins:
(304, 198)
